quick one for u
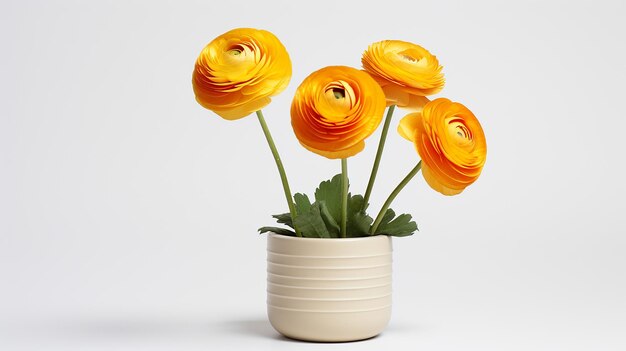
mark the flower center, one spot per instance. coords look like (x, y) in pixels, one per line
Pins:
(338, 99)
(235, 50)
(339, 93)
(412, 58)
(240, 55)
(459, 130)
(408, 58)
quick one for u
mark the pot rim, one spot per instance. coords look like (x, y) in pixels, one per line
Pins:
(295, 238)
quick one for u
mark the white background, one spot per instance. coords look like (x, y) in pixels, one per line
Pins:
(128, 213)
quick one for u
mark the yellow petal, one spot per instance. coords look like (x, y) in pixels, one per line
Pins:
(335, 109)
(399, 96)
(435, 184)
(408, 126)
(238, 72)
(450, 142)
(407, 66)
(241, 111)
(338, 154)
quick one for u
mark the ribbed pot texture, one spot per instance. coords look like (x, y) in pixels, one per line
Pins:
(329, 290)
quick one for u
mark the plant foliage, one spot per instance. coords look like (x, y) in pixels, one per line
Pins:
(321, 218)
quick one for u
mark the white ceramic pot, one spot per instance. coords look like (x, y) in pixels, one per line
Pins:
(329, 290)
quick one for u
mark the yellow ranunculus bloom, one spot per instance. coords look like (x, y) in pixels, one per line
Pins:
(335, 109)
(407, 72)
(451, 143)
(238, 72)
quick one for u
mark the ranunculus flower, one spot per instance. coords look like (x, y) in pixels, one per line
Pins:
(451, 143)
(335, 109)
(238, 72)
(407, 72)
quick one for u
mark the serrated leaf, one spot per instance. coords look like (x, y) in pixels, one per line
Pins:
(303, 204)
(281, 231)
(389, 214)
(359, 222)
(400, 226)
(284, 218)
(331, 225)
(329, 191)
(311, 224)
(355, 203)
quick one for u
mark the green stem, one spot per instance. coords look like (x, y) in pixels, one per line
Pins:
(393, 195)
(344, 196)
(379, 154)
(281, 170)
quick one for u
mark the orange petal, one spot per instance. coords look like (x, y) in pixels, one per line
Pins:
(408, 126)
(335, 109)
(435, 183)
(338, 154)
(238, 72)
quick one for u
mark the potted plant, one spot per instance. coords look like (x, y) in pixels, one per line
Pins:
(329, 264)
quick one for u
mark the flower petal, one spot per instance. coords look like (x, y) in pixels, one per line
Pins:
(335, 109)
(451, 143)
(408, 126)
(406, 71)
(238, 72)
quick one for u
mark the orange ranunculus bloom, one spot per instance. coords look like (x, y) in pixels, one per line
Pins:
(335, 109)
(407, 72)
(451, 143)
(238, 72)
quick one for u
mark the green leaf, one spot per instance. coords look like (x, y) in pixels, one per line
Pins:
(311, 223)
(400, 226)
(320, 219)
(284, 218)
(359, 222)
(331, 225)
(329, 191)
(281, 231)
(389, 214)
(303, 204)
